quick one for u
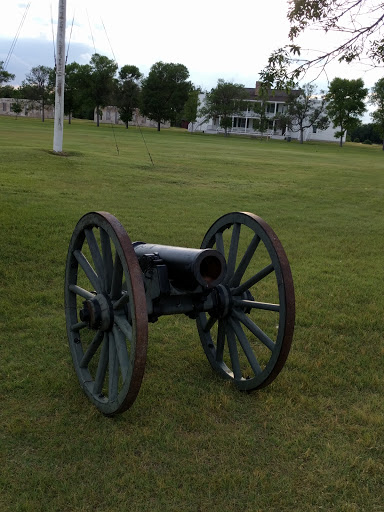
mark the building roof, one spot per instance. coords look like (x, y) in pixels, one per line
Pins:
(274, 95)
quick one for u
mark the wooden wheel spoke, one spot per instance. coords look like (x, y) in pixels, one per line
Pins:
(220, 341)
(245, 261)
(233, 248)
(124, 326)
(88, 270)
(233, 353)
(107, 258)
(210, 323)
(247, 349)
(80, 291)
(253, 280)
(117, 279)
(78, 326)
(124, 299)
(122, 352)
(102, 366)
(113, 376)
(219, 242)
(255, 330)
(267, 306)
(95, 253)
(92, 349)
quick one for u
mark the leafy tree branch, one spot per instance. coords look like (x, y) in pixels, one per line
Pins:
(360, 21)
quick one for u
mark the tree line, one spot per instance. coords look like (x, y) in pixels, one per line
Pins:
(162, 95)
(166, 94)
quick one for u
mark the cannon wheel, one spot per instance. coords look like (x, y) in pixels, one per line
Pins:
(247, 338)
(106, 312)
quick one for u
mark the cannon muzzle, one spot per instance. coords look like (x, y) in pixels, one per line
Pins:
(187, 268)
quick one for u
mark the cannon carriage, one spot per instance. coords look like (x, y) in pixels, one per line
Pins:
(237, 288)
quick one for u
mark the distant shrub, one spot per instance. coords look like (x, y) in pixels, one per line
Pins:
(348, 138)
(367, 141)
(356, 140)
(366, 131)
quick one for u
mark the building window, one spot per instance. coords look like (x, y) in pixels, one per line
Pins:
(4, 107)
(240, 122)
(270, 108)
(314, 129)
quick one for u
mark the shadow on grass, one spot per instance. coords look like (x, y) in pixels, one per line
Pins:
(66, 154)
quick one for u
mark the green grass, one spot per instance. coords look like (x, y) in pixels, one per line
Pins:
(312, 441)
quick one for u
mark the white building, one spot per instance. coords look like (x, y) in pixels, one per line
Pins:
(243, 124)
(29, 108)
(110, 115)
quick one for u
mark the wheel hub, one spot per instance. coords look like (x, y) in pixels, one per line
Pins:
(223, 301)
(98, 313)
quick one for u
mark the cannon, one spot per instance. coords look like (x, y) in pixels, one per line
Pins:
(237, 287)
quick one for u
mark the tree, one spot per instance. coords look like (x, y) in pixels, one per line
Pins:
(128, 91)
(165, 91)
(18, 105)
(79, 97)
(100, 82)
(76, 82)
(377, 99)
(4, 75)
(7, 91)
(366, 132)
(304, 110)
(359, 23)
(345, 104)
(38, 87)
(224, 101)
(261, 123)
(191, 106)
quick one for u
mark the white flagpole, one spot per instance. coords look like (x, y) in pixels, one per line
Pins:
(60, 79)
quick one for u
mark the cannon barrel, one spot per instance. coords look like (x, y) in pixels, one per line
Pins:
(187, 268)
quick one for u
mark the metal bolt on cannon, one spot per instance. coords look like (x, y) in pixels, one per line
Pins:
(237, 287)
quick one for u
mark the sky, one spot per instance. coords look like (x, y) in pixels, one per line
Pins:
(212, 38)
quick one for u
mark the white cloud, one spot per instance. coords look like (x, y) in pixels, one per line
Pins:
(214, 39)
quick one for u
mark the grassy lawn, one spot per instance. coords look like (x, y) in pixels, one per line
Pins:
(313, 440)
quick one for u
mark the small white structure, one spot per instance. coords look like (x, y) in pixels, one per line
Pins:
(30, 108)
(243, 124)
(110, 115)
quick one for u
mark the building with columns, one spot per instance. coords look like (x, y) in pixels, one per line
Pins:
(244, 124)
